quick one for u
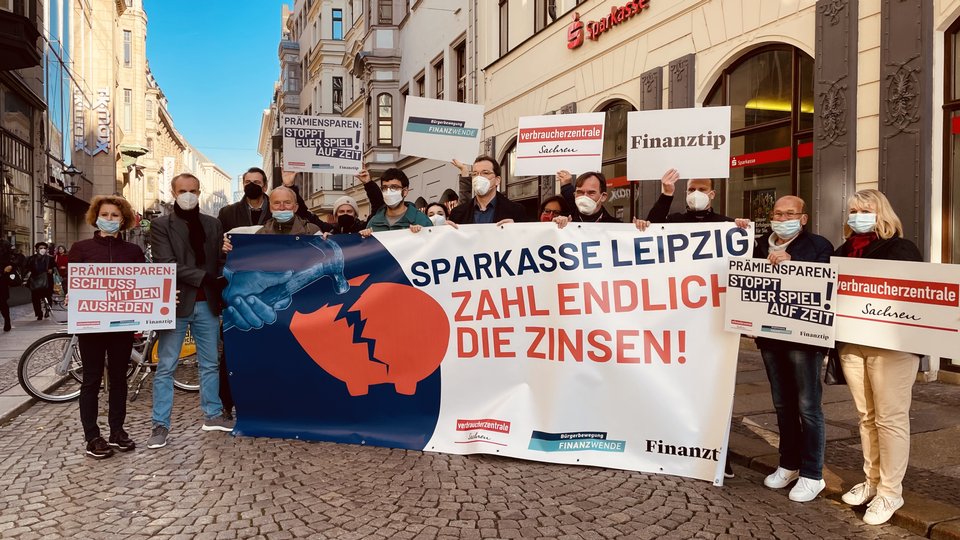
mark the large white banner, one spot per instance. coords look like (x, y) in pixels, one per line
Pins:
(899, 305)
(113, 297)
(322, 144)
(552, 143)
(442, 130)
(694, 141)
(791, 301)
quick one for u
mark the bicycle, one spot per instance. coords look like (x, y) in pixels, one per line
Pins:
(51, 369)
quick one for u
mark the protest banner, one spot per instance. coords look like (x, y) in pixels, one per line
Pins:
(696, 142)
(591, 345)
(560, 142)
(899, 305)
(322, 144)
(791, 301)
(111, 297)
(441, 130)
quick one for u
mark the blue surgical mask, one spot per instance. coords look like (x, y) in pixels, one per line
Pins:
(785, 230)
(283, 216)
(107, 226)
(862, 223)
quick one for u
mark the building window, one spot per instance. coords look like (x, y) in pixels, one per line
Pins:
(461, 53)
(621, 194)
(524, 190)
(385, 11)
(338, 182)
(544, 13)
(422, 86)
(127, 48)
(504, 27)
(770, 91)
(951, 148)
(338, 94)
(149, 107)
(127, 110)
(149, 147)
(338, 24)
(384, 120)
(438, 77)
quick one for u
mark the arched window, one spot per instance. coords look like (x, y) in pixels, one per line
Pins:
(620, 192)
(149, 147)
(770, 91)
(149, 107)
(384, 120)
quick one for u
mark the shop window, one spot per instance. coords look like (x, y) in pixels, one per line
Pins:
(621, 194)
(951, 157)
(771, 95)
(524, 190)
(384, 120)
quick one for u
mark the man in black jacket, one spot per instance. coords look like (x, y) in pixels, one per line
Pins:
(794, 369)
(586, 197)
(700, 194)
(488, 205)
(41, 267)
(253, 208)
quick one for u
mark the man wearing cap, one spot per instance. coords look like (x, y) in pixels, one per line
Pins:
(345, 209)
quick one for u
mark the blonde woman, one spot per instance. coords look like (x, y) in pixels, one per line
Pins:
(880, 380)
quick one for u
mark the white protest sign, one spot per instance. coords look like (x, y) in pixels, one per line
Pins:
(322, 144)
(441, 130)
(790, 301)
(561, 142)
(899, 305)
(122, 297)
(696, 142)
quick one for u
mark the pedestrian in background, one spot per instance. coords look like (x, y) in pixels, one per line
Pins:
(110, 215)
(880, 380)
(40, 267)
(62, 258)
(7, 275)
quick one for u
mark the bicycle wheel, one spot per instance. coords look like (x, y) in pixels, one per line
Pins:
(187, 375)
(37, 369)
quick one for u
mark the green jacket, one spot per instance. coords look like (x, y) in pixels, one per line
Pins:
(411, 217)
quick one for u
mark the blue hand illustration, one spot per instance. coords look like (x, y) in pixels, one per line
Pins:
(244, 309)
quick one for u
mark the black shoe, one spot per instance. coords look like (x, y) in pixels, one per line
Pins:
(728, 470)
(98, 448)
(6, 325)
(39, 317)
(121, 441)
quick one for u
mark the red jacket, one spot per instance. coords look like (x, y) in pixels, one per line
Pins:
(105, 249)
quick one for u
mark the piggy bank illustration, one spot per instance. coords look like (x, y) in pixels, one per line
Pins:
(404, 338)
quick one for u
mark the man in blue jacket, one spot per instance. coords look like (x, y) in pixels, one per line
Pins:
(794, 369)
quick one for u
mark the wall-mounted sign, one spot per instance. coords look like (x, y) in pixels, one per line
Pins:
(104, 124)
(618, 14)
(79, 113)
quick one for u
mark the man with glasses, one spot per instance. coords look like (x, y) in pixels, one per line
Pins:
(396, 214)
(488, 205)
(794, 369)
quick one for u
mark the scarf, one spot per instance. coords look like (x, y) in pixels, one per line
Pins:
(859, 242)
(197, 237)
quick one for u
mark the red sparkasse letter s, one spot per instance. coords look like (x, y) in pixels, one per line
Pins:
(575, 32)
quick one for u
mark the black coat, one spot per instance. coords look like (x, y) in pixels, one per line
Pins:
(105, 249)
(238, 215)
(505, 209)
(660, 213)
(891, 249)
(375, 196)
(569, 192)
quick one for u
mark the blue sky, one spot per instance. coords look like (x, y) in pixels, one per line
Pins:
(216, 62)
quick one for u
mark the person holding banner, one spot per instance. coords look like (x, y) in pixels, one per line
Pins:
(553, 208)
(794, 369)
(587, 198)
(880, 380)
(397, 214)
(488, 205)
(110, 214)
(700, 194)
(438, 215)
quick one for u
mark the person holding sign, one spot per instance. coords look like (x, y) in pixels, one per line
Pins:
(794, 369)
(397, 214)
(110, 214)
(488, 205)
(586, 201)
(880, 380)
(700, 194)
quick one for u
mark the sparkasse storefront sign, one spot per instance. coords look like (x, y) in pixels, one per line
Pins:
(618, 14)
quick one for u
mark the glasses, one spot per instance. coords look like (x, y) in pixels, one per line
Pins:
(488, 174)
(391, 188)
(786, 215)
(553, 212)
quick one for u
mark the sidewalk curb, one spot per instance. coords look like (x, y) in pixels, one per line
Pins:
(9, 413)
(919, 515)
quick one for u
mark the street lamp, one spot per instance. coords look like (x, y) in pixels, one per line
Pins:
(72, 172)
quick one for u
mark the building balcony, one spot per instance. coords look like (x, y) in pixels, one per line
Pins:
(18, 42)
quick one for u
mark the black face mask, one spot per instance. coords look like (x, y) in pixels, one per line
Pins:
(253, 191)
(346, 221)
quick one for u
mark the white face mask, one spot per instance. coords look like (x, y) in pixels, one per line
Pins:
(188, 201)
(481, 185)
(698, 200)
(862, 222)
(438, 219)
(42, 251)
(393, 198)
(586, 205)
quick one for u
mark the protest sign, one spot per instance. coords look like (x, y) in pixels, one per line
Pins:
(899, 305)
(121, 297)
(442, 130)
(791, 301)
(524, 341)
(560, 142)
(322, 144)
(696, 142)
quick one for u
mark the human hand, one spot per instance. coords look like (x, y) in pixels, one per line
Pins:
(464, 168)
(227, 246)
(288, 177)
(364, 174)
(503, 221)
(50, 271)
(8, 269)
(66, 300)
(416, 228)
(452, 224)
(366, 233)
(564, 177)
(641, 224)
(561, 221)
(668, 182)
(245, 310)
(178, 296)
(778, 257)
(326, 235)
(742, 223)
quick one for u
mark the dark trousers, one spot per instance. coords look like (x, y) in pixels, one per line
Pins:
(797, 391)
(226, 397)
(115, 347)
(36, 295)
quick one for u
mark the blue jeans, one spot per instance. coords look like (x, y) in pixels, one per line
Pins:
(797, 391)
(206, 333)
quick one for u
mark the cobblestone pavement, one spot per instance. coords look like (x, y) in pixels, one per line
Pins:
(212, 485)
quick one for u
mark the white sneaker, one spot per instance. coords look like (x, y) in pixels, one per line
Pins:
(780, 478)
(806, 489)
(881, 509)
(861, 493)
